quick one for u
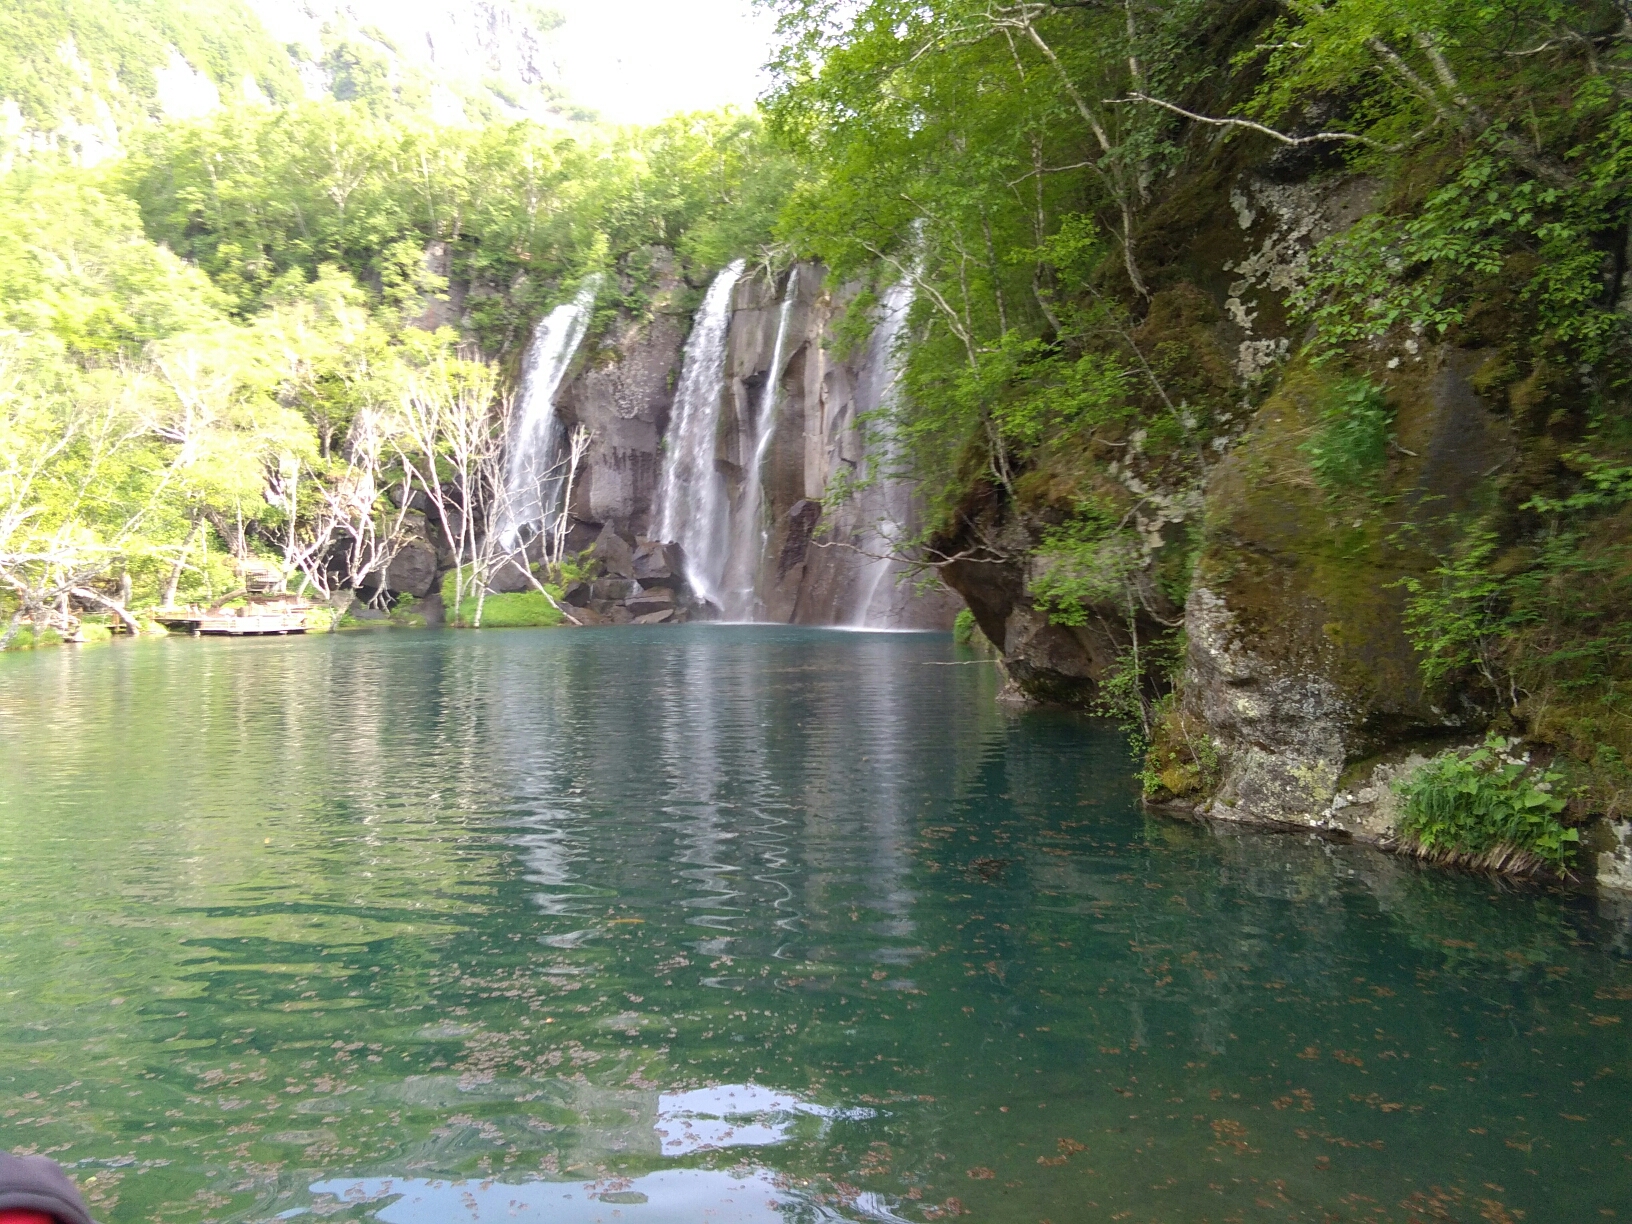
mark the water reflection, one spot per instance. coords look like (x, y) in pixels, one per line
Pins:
(511, 916)
(735, 1115)
(671, 1196)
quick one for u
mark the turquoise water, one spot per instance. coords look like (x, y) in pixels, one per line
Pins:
(740, 924)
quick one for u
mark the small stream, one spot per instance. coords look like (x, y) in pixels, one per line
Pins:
(740, 924)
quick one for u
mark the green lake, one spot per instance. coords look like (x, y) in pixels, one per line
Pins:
(741, 924)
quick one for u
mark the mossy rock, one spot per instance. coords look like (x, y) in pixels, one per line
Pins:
(1306, 664)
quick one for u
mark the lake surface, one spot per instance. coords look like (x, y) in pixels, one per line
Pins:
(740, 924)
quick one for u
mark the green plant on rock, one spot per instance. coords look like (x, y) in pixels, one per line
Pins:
(1461, 616)
(1182, 759)
(1489, 805)
(1350, 442)
(1081, 562)
(1127, 690)
(577, 567)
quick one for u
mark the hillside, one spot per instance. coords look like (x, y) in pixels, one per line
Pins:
(79, 76)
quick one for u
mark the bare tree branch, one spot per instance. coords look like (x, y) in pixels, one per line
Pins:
(1249, 125)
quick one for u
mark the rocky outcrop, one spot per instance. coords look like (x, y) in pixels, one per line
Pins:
(815, 565)
(621, 393)
(1615, 860)
(827, 564)
(1298, 658)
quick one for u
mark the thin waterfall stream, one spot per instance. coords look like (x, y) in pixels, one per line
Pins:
(889, 500)
(533, 476)
(750, 529)
(693, 502)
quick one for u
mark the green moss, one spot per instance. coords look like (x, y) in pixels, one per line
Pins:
(1182, 760)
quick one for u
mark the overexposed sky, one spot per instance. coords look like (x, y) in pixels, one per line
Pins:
(637, 61)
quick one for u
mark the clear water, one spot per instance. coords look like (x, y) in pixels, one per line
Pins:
(739, 924)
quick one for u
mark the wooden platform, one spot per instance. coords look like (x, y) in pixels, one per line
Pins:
(222, 624)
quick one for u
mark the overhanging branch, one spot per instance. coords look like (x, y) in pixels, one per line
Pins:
(1261, 129)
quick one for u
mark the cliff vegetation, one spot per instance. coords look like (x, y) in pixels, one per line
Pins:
(1268, 373)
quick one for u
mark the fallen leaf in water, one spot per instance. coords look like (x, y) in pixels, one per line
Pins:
(981, 1173)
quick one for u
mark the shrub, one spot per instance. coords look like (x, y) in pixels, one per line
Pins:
(1486, 804)
(1351, 438)
(963, 627)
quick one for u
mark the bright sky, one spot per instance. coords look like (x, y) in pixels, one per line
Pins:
(637, 61)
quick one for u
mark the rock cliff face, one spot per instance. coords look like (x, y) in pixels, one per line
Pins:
(621, 393)
(1298, 659)
(813, 564)
(1298, 675)
(1220, 278)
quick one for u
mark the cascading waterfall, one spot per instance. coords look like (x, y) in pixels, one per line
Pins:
(888, 502)
(750, 528)
(693, 502)
(534, 479)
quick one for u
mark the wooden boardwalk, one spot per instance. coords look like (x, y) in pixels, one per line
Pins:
(226, 624)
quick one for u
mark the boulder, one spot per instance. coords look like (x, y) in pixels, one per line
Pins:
(613, 552)
(578, 594)
(648, 602)
(509, 578)
(1298, 660)
(655, 618)
(581, 535)
(653, 559)
(413, 570)
(615, 589)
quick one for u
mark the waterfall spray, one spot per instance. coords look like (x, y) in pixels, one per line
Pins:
(534, 475)
(694, 508)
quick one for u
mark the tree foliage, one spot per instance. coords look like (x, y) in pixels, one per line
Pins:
(216, 351)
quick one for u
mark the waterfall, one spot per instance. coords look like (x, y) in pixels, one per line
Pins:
(533, 479)
(888, 502)
(694, 505)
(751, 529)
